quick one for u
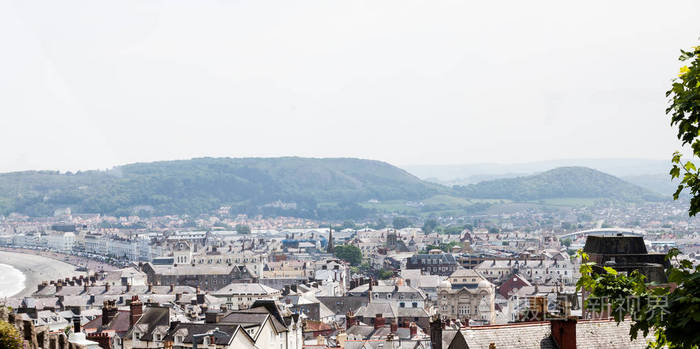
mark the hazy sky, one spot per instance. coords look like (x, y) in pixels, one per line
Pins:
(93, 84)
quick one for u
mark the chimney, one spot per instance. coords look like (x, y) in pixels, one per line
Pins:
(379, 321)
(394, 327)
(436, 333)
(109, 312)
(178, 296)
(135, 310)
(413, 328)
(172, 288)
(150, 288)
(349, 319)
(128, 288)
(107, 287)
(564, 333)
(212, 317)
(76, 323)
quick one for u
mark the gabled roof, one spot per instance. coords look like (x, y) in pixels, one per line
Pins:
(253, 317)
(151, 319)
(187, 330)
(120, 323)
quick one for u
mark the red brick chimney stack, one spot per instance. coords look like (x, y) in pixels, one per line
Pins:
(564, 333)
(135, 310)
(379, 321)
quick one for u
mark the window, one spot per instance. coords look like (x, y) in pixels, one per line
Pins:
(402, 305)
(414, 304)
(463, 309)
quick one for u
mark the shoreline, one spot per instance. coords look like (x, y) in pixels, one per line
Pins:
(36, 268)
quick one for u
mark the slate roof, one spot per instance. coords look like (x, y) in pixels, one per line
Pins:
(246, 289)
(389, 310)
(526, 335)
(607, 334)
(120, 323)
(250, 317)
(151, 319)
(189, 329)
(445, 258)
(341, 305)
(589, 334)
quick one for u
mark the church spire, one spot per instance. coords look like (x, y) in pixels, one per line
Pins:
(330, 246)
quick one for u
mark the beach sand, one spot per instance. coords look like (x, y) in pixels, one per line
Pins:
(37, 269)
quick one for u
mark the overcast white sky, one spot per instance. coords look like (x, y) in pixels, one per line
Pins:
(93, 84)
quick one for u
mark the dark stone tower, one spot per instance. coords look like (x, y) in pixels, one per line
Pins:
(436, 332)
(330, 246)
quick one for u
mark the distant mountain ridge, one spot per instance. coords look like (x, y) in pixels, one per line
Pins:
(471, 173)
(200, 185)
(562, 182)
(317, 188)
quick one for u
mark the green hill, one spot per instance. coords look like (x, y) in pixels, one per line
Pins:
(562, 182)
(315, 188)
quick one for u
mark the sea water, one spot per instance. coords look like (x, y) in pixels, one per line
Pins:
(11, 281)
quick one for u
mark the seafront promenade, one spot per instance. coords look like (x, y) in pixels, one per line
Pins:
(38, 266)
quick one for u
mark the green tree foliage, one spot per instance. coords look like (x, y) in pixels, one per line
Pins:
(566, 242)
(349, 253)
(379, 224)
(429, 225)
(400, 223)
(348, 224)
(675, 325)
(684, 110)
(242, 229)
(319, 188)
(385, 274)
(454, 229)
(9, 336)
(672, 314)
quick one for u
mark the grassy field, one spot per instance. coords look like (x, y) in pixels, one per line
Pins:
(438, 205)
(571, 202)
